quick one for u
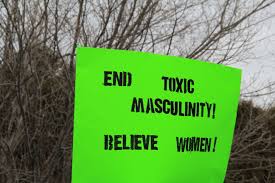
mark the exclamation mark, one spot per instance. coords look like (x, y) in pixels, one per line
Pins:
(214, 111)
(215, 141)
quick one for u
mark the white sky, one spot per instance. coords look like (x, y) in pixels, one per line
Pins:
(262, 68)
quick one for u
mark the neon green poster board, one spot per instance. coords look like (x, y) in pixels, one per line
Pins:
(146, 118)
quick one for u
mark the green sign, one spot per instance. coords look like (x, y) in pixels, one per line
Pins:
(146, 118)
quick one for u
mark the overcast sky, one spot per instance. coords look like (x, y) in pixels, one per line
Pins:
(262, 68)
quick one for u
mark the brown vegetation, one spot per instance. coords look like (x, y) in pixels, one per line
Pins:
(252, 156)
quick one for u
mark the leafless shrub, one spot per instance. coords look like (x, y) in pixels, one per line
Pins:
(253, 150)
